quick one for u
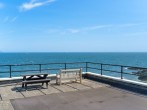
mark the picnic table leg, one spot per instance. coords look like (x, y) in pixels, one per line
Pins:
(22, 85)
(25, 86)
(47, 84)
(42, 83)
(24, 78)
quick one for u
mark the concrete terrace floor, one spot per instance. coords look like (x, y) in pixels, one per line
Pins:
(73, 96)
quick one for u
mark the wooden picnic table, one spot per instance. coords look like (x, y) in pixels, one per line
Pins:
(34, 78)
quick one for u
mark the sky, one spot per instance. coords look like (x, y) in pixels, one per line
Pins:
(73, 25)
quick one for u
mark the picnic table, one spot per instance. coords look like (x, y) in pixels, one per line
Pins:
(35, 78)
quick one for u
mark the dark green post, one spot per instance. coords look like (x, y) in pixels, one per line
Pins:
(86, 66)
(121, 72)
(10, 69)
(40, 68)
(65, 66)
(101, 69)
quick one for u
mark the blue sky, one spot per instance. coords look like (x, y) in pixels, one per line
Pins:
(73, 25)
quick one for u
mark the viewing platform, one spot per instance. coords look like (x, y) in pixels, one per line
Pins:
(88, 95)
(15, 91)
(98, 91)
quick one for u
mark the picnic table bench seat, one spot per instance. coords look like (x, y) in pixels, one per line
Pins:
(36, 81)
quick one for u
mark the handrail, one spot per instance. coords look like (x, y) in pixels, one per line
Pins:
(102, 67)
(117, 65)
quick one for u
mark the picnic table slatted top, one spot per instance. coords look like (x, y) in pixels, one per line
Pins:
(35, 74)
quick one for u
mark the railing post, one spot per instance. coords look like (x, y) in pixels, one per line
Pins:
(10, 69)
(65, 66)
(86, 66)
(40, 68)
(121, 72)
(101, 69)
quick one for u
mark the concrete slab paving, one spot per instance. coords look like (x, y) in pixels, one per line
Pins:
(79, 86)
(8, 92)
(75, 92)
(92, 84)
(6, 105)
(50, 90)
(30, 93)
(92, 99)
(64, 88)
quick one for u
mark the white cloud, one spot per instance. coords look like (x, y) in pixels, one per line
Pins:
(1, 5)
(93, 28)
(33, 4)
(90, 28)
(9, 19)
(74, 30)
(96, 27)
(52, 31)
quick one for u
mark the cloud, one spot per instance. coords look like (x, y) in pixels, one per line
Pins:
(86, 29)
(52, 31)
(96, 27)
(74, 30)
(34, 4)
(9, 19)
(1, 5)
(93, 28)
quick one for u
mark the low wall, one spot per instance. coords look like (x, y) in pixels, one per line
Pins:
(130, 85)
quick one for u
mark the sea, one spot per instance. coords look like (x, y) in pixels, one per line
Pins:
(137, 59)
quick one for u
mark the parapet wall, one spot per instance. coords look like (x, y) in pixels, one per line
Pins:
(133, 86)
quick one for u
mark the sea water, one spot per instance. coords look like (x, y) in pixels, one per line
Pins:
(127, 59)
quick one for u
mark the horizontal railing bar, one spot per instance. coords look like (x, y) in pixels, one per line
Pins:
(24, 71)
(38, 70)
(4, 72)
(106, 64)
(50, 69)
(130, 74)
(93, 68)
(74, 62)
(104, 70)
(55, 69)
(76, 67)
(112, 71)
(94, 63)
(42, 64)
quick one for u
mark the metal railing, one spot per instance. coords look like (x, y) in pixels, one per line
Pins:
(120, 71)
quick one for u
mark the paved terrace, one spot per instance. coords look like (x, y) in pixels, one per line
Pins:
(89, 95)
